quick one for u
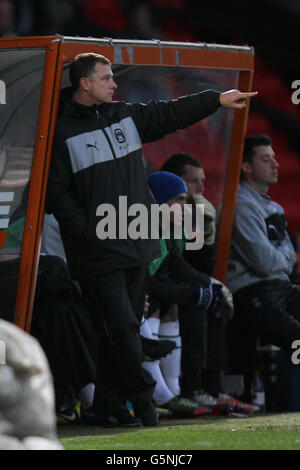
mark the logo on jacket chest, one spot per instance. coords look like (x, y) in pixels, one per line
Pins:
(119, 135)
(93, 146)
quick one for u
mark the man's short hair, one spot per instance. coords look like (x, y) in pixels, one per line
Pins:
(83, 65)
(253, 141)
(177, 162)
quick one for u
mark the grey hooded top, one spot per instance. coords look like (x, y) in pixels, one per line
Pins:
(261, 247)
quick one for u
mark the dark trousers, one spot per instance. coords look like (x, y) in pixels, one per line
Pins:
(116, 304)
(193, 332)
(269, 310)
(216, 344)
(203, 350)
(64, 331)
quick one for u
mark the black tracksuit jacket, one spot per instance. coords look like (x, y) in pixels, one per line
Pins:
(97, 157)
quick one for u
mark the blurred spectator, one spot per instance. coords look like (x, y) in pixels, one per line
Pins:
(24, 17)
(7, 18)
(143, 22)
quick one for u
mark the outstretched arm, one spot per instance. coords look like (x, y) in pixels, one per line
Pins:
(235, 98)
(157, 118)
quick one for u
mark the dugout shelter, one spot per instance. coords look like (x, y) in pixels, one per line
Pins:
(33, 70)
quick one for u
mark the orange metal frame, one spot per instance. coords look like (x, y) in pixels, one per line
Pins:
(232, 181)
(36, 196)
(60, 50)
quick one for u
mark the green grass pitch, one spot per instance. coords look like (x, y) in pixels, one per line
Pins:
(258, 432)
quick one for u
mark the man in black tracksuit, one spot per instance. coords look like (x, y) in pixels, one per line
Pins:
(97, 157)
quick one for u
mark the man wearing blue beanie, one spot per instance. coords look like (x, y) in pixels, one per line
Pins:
(165, 186)
(172, 281)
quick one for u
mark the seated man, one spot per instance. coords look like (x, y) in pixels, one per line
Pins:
(262, 257)
(60, 324)
(175, 281)
(190, 169)
(209, 391)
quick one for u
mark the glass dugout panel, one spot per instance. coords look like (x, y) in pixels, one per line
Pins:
(21, 74)
(208, 140)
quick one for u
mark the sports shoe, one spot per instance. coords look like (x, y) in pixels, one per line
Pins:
(120, 418)
(67, 416)
(216, 405)
(204, 398)
(157, 348)
(237, 405)
(183, 408)
(147, 413)
(67, 407)
(163, 413)
(120, 422)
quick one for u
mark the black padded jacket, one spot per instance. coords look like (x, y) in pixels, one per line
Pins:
(97, 157)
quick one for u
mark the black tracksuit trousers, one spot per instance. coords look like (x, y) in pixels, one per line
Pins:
(269, 310)
(116, 304)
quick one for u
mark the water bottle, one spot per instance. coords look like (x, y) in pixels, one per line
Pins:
(258, 392)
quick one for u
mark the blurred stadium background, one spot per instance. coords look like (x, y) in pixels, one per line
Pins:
(270, 26)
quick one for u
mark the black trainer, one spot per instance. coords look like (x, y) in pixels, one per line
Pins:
(146, 411)
(183, 408)
(157, 348)
(120, 418)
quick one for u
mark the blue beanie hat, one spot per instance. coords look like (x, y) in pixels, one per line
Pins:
(165, 185)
